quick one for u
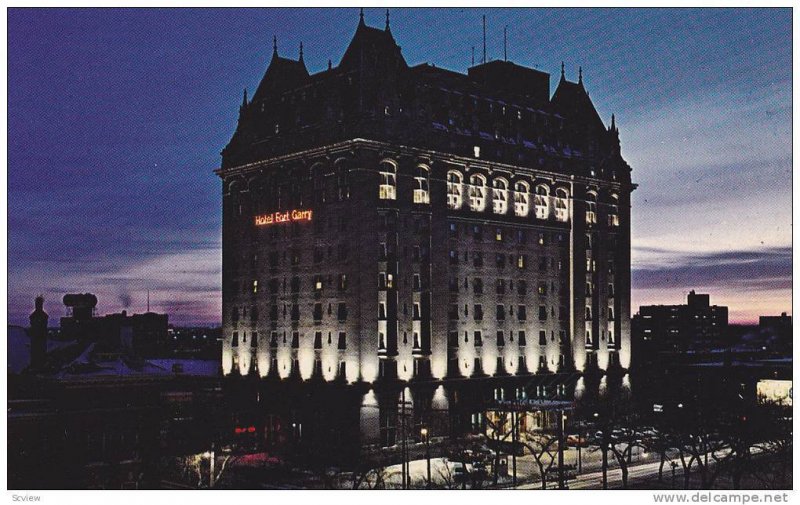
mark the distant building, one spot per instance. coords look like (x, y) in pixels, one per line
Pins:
(777, 329)
(676, 328)
(145, 334)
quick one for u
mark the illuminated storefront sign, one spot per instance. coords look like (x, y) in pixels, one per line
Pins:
(775, 391)
(283, 217)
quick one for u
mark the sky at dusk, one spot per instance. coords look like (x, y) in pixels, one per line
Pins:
(116, 118)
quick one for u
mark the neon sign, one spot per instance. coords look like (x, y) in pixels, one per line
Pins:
(283, 217)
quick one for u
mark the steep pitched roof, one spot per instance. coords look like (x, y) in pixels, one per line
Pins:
(571, 101)
(370, 41)
(282, 74)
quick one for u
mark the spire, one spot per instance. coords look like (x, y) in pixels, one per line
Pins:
(274, 46)
(613, 123)
(361, 17)
(387, 20)
(562, 71)
(244, 100)
(580, 75)
(301, 53)
(330, 65)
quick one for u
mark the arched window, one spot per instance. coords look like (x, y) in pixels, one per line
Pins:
(591, 207)
(521, 198)
(562, 204)
(388, 184)
(454, 188)
(613, 211)
(477, 193)
(421, 181)
(542, 202)
(500, 196)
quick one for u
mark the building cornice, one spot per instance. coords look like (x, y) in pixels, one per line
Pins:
(429, 155)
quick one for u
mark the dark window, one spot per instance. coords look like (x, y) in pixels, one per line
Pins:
(501, 340)
(500, 286)
(500, 260)
(235, 314)
(254, 340)
(453, 283)
(452, 339)
(342, 312)
(295, 312)
(452, 313)
(521, 338)
(477, 286)
(317, 312)
(522, 287)
(477, 338)
(501, 312)
(342, 340)
(542, 337)
(318, 340)
(542, 313)
(295, 340)
(478, 259)
(522, 313)
(478, 312)
(235, 339)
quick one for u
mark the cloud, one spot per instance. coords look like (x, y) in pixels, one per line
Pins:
(765, 269)
(750, 282)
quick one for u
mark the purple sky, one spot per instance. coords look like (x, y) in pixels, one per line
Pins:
(116, 118)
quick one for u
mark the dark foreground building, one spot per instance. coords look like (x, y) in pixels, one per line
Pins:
(385, 223)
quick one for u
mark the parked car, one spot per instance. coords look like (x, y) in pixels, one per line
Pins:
(576, 440)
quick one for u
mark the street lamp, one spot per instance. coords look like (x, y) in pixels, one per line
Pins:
(424, 433)
(211, 458)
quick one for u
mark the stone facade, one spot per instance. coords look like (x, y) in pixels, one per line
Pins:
(459, 226)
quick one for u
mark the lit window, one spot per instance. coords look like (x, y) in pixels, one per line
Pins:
(389, 280)
(591, 208)
(500, 196)
(521, 196)
(454, 181)
(476, 151)
(421, 193)
(541, 202)
(477, 193)
(388, 184)
(561, 202)
(613, 213)
(255, 286)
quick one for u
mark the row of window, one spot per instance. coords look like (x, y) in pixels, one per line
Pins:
(341, 342)
(500, 286)
(318, 283)
(293, 310)
(454, 339)
(500, 314)
(519, 260)
(500, 234)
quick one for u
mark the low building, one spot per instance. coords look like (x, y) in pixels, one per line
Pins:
(660, 329)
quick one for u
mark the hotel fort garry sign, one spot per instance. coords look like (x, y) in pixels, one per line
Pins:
(288, 216)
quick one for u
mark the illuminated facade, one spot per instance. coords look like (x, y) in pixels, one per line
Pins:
(383, 221)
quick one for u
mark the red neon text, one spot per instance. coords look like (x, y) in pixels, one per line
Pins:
(283, 217)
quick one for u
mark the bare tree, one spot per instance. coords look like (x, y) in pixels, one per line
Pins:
(543, 445)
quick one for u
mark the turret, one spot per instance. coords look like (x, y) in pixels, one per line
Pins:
(38, 334)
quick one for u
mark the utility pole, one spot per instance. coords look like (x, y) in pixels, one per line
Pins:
(514, 439)
(484, 38)
(403, 440)
(561, 416)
